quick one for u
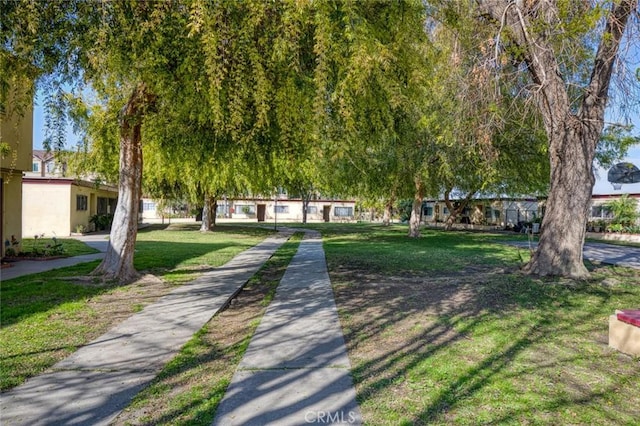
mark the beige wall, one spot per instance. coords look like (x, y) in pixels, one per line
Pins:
(46, 209)
(17, 132)
(50, 206)
(11, 209)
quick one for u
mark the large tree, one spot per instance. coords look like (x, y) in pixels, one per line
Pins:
(553, 42)
(487, 147)
(373, 76)
(154, 58)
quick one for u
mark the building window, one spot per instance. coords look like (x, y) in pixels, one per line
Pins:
(81, 202)
(102, 207)
(35, 167)
(428, 211)
(343, 211)
(148, 206)
(312, 210)
(246, 208)
(601, 212)
(281, 209)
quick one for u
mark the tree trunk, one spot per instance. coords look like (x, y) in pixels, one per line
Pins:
(564, 224)
(448, 223)
(305, 206)
(572, 136)
(416, 210)
(455, 212)
(118, 260)
(388, 209)
(214, 212)
(208, 215)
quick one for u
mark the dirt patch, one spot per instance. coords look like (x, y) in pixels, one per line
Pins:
(121, 303)
(397, 314)
(419, 344)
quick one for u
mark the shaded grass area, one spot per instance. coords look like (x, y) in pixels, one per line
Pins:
(449, 332)
(192, 385)
(44, 317)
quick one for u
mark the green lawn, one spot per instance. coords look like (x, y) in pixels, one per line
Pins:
(443, 329)
(46, 316)
(70, 246)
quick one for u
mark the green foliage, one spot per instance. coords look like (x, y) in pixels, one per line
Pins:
(405, 207)
(373, 83)
(5, 150)
(625, 211)
(101, 221)
(614, 144)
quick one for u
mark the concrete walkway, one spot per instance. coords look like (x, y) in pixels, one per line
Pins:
(610, 254)
(295, 370)
(98, 241)
(95, 383)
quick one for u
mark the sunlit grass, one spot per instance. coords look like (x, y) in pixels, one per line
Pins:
(70, 246)
(44, 317)
(468, 339)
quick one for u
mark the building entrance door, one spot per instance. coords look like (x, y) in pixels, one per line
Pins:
(262, 208)
(326, 213)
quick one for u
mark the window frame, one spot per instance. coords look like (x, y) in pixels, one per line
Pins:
(82, 203)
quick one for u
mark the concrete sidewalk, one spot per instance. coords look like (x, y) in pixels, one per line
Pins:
(98, 240)
(295, 370)
(95, 383)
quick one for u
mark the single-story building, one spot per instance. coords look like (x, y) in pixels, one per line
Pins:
(56, 206)
(265, 210)
(497, 212)
(509, 212)
(289, 210)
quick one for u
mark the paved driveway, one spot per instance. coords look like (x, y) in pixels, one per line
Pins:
(605, 253)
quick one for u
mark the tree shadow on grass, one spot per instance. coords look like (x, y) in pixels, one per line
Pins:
(33, 294)
(487, 347)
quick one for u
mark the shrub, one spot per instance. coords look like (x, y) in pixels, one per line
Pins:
(101, 221)
(625, 210)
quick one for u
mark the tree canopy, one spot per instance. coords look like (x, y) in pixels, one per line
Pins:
(385, 100)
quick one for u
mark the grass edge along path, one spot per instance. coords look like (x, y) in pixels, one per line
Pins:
(45, 317)
(191, 386)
